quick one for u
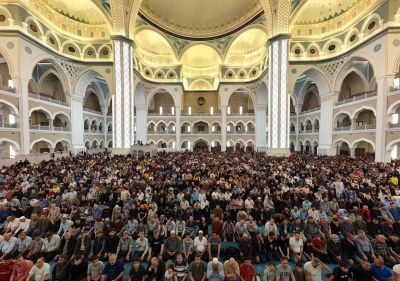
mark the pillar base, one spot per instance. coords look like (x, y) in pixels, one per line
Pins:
(262, 148)
(121, 151)
(326, 150)
(78, 149)
(278, 151)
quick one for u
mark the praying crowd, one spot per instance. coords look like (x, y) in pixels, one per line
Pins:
(200, 216)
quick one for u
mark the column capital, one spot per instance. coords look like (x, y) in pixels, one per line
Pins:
(119, 37)
(77, 98)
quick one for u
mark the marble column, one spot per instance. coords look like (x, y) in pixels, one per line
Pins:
(123, 121)
(326, 130)
(141, 124)
(298, 111)
(24, 133)
(261, 127)
(223, 127)
(77, 128)
(381, 118)
(278, 98)
(178, 127)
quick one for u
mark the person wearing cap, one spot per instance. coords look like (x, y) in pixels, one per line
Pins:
(200, 244)
(215, 270)
(396, 272)
(50, 246)
(341, 272)
(23, 226)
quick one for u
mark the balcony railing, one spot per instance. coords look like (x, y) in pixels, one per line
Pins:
(391, 125)
(186, 113)
(7, 89)
(92, 111)
(310, 110)
(365, 127)
(62, 129)
(8, 125)
(345, 128)
(151, 132)
(234, 114)
(357, 98)
(158, 114)
(40, 127)
(48, 99)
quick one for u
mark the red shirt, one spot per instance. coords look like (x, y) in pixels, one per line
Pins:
(247, 272)
(6, 268)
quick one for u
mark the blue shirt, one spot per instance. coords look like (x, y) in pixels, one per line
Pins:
(112, 271)
(381, 274)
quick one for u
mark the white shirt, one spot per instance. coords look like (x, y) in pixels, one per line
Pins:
(24, 226)
(38, 273)
(315, 272)
(201, 245)
(296, 245)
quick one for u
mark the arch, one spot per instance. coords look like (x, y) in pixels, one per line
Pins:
(249, 141)
(342, 140)
(358, 110)
(36, 22)
(40, 108)
(341, 112)
(158, 90)
(335, 41)
(41, 140)
(44, 80)
(87, 78)
(62, 113)
(354, 143)
(159, 74)
(48, 35)
(59, 70)
(319, 79)
(71, 43)
(297, 46)
(391, 110)
(353, 31)
(371, 17)
(62, 140)
(10, 141)
(89, 48)
(100, 54)
(7, 13)
(10, 105)
(314, 46)
(201, 46)
(348, 64)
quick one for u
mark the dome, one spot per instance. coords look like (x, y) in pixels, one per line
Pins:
(195, 19)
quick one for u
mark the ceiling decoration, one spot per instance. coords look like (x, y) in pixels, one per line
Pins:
(83, 11)
(195, 19)
(317, 11)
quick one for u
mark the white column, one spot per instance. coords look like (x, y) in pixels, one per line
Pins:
(381, 118)
(298, 111)
(261, 127)
(77, 124)
(122, 106)
(326, 130)
(223, 127)
(178, 127)
(24, 133)
(141, 124)
(278, 99)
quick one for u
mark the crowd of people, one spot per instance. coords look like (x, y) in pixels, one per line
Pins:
(200, 216)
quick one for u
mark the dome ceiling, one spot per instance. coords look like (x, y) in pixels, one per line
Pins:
(82, 11)
(317, 11)
(195, 19)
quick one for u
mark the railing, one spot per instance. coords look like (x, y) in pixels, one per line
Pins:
(310, 110)
(237, 114)
(346, 128)
(40, 127)
(48, 99)
(8, 125)
(309, 131)
(158, 114)
(170, 150)
(356, 98)
(7, 89)
(92, 111)
(391, 125)
(62, 129)
(32, 158)
(160, 133)
(109, 114)
(365, 127)
(186, 113)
